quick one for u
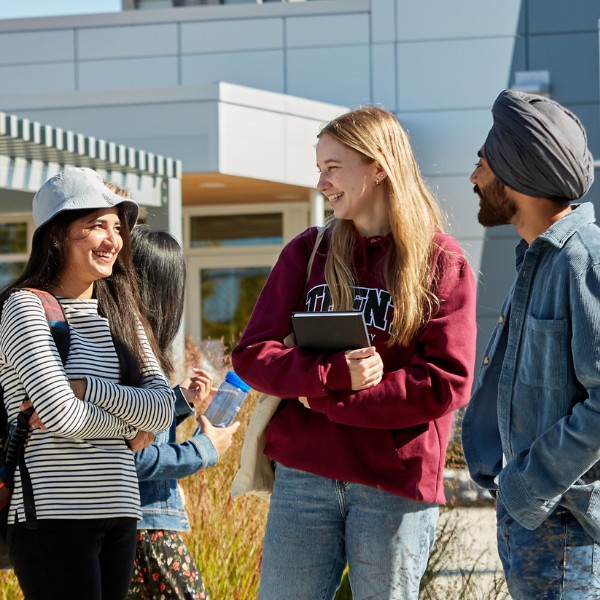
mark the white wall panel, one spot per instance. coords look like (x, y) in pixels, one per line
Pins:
(250, 143)
(127, 41)
(231, 35)
(257, 69)
(308, 32)
(453, 74)
(339, 75)
(127, 73)
(440, 19)
(301, 137)
(37, 46)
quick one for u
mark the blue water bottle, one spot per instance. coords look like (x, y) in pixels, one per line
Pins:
(226, 403)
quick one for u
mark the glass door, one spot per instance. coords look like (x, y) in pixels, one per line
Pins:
(221, 294)
(230, 251)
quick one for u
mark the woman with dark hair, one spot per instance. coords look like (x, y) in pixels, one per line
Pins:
(359, 440)
(76, 456)
(163, 566)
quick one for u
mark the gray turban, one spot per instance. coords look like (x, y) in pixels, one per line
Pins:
(538, 147)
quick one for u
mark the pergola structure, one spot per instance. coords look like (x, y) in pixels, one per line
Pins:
(31, 152)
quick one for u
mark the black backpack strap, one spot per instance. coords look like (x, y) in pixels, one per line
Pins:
(26, 486)
(59, 328)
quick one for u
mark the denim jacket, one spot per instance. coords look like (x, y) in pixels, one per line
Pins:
(537, 397)
(164, 462)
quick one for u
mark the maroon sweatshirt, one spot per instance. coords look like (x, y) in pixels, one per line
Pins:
(392, 436)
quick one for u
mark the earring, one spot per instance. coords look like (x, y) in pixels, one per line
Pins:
(55, 244)
(377, 181)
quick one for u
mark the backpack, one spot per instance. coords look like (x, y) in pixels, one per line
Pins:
(13, 439)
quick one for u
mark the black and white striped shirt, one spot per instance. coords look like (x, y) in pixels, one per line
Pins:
(80, 466)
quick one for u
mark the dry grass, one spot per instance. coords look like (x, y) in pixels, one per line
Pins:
(226, 538)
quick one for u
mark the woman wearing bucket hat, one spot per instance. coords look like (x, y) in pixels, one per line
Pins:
(81, 543)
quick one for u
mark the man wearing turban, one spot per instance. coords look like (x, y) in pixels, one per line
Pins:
(531, 433)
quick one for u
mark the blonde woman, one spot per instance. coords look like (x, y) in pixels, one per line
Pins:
(359, 443)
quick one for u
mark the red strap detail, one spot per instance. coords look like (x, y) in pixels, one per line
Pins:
(52, 307)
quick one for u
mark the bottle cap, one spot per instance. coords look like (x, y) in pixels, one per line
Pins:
(233, 379)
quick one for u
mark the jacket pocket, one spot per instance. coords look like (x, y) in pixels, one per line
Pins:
(544, 353)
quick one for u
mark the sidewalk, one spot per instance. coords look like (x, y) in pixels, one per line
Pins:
(470, 563)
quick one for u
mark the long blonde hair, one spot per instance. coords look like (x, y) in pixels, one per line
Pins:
(414, 217)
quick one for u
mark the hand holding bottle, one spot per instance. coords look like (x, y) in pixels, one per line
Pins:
(221, 437)
(227, 401)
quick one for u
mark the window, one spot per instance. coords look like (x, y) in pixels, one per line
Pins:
(236, 230)
(230, 251)
(14, 247)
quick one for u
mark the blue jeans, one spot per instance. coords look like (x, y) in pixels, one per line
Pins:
(316, 525)
(556, 560)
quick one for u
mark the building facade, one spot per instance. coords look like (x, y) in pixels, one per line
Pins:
(237, 92)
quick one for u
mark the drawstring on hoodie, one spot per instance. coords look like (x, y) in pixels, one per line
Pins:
(362, 246)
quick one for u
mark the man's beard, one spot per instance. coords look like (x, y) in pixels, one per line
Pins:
(495, 208)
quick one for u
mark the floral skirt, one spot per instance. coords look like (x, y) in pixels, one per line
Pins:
(163, 568)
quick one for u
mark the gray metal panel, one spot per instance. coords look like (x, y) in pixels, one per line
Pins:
(145, 127)
(459, 203)
(334, 30)
(39, 46)
(473, 249)
(126, 74)
(446, 142)
(129, 41)
(440, 19)
(135, 120)
(262, 69)
(590, 117)
(383, 67)
(572, 60)
(231, 35)
(36, 78)
(383, 21)
(497, 271)
(461, 74)
(339, 75)
(553, 17)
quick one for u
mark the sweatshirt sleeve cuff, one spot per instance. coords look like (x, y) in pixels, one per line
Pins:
(319, 404)
(336, 373)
